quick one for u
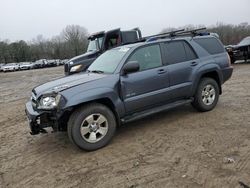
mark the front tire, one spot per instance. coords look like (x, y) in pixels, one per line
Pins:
(91, 127)
(207, 95)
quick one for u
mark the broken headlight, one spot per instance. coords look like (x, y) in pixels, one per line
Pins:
(49, 102)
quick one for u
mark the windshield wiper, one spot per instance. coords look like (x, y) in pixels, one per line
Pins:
(96, 71)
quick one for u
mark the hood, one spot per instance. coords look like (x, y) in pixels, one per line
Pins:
(84, 56)
(66, 83)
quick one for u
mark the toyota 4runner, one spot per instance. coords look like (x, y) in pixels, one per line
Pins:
(130, 82)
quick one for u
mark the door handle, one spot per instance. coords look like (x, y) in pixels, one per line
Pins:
(161, 71)
(194, 63)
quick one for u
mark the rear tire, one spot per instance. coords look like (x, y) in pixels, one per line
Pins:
(207, 95)
(91, 126)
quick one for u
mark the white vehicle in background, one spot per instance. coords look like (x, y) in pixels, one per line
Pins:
(25, 66)
(58, 62)
(1, 67)
(10, 67)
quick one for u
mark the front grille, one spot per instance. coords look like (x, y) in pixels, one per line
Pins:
(33, 99)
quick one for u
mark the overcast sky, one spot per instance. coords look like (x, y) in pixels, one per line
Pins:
(25, 19)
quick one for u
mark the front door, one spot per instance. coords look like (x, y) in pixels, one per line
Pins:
(148, 86)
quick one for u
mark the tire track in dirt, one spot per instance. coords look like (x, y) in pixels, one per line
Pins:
(178, 148)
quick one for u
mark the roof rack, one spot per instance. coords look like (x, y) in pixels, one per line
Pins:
(163, 34)
(180, 32)
(193, 31)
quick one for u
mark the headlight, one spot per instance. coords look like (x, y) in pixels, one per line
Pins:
(49, 102)
(75, 68)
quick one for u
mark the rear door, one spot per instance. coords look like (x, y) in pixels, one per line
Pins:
(148, 86)
(182, 61)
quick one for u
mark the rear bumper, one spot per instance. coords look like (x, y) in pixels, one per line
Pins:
(227, 73)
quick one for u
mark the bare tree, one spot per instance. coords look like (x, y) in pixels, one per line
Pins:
(73, 41)
(76, 37)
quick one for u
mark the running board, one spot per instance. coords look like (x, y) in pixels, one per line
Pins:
(140, 115)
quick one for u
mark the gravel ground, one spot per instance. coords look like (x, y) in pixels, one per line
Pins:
(178, 148)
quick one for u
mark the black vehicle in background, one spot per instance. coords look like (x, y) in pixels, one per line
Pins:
(241, 51)
(51, 63)
(40, 64)
(99, 43)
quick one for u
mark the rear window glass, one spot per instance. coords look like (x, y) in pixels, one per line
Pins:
(211, 45)
(178, 51)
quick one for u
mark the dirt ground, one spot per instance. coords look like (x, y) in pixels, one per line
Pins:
(178, 148)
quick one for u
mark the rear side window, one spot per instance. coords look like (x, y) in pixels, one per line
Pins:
(178, 51)
(189, 52)
(211, 45)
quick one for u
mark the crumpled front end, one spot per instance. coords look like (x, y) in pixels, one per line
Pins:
(38, 120)
(41, 118)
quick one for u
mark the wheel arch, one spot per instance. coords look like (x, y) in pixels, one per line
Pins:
(104, 101)
(214, 74)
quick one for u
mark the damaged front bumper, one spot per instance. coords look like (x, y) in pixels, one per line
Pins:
(38, 120)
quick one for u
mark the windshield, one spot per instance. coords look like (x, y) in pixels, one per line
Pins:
(245, 41)
(95, 45)
(108, 61)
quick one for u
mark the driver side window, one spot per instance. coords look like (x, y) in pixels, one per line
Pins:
(148, 57)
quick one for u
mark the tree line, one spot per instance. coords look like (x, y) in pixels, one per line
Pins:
(72, 41)
(228, 33)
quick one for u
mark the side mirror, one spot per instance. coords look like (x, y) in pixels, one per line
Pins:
(131, 66)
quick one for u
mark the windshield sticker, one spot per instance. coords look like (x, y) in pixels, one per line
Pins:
(123, 49)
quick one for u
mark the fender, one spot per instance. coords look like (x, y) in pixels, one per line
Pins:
(204, 69)
(96, 94)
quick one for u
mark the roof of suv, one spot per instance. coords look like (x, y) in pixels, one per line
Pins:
(164, 40)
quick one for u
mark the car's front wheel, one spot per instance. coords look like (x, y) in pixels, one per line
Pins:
(91, 126)
(207, 95)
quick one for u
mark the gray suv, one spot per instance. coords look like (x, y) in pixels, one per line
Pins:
(130, 82)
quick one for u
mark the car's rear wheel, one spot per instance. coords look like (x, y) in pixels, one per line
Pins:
(91, 126)
(207, 95)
